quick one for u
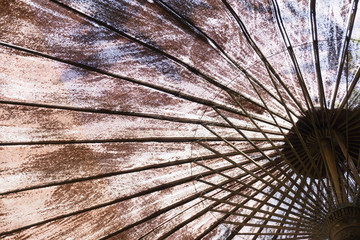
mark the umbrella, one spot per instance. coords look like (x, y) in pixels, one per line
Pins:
(169, 119)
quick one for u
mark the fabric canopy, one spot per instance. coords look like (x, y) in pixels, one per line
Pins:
(172, 119)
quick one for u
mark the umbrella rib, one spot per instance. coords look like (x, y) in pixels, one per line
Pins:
(323, 103)
(349, 191)
(149, 167)
(262, 225)
(159, 51)
(260, 54)
(234, 163)
(231, 212)
(253, 198)
(131, 170)
(353, 171)
(215, 171)
(319, 193)
(313, 120)
(306, 149)
(270, 69)
(249, 217)
(266, 218)
(117, 112)
(240, 132)
(285, 137)
(249, 158)
(314, 34)
(165, 222)
(306, 235)
(347, 96)
(120, 140)
(159, 88)
(254, 209)
(127, 113)
(296, 196)
(115, 201)
(353, 124)
(217, 202)
(197, 215)
(258, 217)
(243, 135)
(300, 220)
(344, 50)
(217, 47)
(111, 174)
(322, 201)
(290, 50)
(287, 212)
(243, 168)
(197, 195)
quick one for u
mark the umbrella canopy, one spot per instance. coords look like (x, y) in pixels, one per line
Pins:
(169, 119)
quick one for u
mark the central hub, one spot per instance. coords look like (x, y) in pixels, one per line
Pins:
(316, 134)
(344, 224)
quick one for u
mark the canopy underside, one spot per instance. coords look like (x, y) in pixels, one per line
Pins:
(170, 119)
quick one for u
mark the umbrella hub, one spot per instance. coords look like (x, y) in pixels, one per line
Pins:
(344, 223)
(321, 144)
(326, 145)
